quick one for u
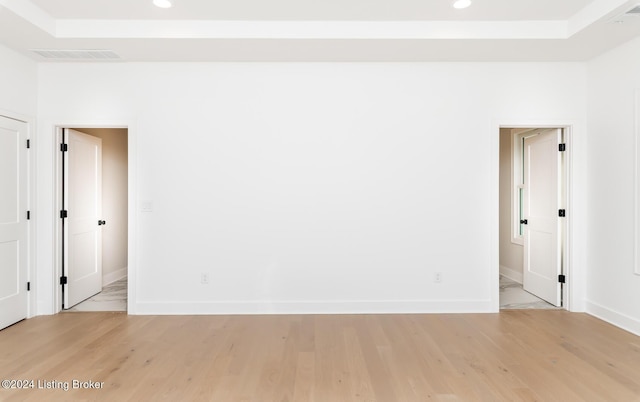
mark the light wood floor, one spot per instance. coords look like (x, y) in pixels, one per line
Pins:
(516, 355)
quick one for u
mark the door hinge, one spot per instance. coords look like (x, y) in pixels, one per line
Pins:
(28, 143)
(562, 279)
(28, 286)
(63, 280)
(562, 213)
(64, 148)
(63, 214)
(28, 215)
(562, 147)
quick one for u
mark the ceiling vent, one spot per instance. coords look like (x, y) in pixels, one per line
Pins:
(635, 11)
(630, 15)
(86, 55)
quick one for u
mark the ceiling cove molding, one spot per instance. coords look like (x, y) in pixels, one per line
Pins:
(31, 13)
(597, 11)
(164, 29)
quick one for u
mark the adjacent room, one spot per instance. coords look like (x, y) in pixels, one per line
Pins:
(327, 201)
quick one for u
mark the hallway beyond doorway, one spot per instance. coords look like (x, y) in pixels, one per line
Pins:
(112, 298)
(513, 297)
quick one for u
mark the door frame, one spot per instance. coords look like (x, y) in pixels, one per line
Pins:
(574, 286)
(131, 210)
(32, 300)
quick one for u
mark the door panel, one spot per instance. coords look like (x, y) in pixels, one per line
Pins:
(541, 200)
(13, 222)
(9, 174)
(82, 263)
(83, 190)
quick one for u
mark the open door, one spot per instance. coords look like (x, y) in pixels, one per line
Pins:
(541, 206)
(13, 221)
(83, 225)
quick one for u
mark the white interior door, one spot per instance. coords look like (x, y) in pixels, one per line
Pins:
(542, 258)
(13, 222)
(83, 226)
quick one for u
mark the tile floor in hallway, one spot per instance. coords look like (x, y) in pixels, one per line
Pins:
(112, 298)
(512, 296)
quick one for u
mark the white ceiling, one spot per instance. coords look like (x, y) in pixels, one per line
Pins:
(328, 30)
(291, 10)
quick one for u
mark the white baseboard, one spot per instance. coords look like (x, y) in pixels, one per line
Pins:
(305, 307)
(615, 318)
(114, 276)
(511, 273)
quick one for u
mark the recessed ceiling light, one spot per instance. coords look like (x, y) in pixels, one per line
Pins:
(462, 4)
(162, 3)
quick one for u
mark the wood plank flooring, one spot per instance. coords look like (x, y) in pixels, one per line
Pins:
(517, 355)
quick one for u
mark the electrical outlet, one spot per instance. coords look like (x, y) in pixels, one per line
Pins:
(437, 277)
(204, 278)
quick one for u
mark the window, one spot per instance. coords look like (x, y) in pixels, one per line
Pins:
(518, 135)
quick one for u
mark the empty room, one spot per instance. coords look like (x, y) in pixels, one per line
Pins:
(319, 201)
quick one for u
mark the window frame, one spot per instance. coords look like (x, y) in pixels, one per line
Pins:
(518, 135)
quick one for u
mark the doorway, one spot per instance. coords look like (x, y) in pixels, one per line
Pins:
(101, 247)
(532, 215)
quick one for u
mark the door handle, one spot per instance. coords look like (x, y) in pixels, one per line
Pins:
(100, 223)
(524, 221)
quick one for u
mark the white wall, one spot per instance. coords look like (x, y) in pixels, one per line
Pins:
(613, 289)
(18, 85)
(114, 201)
(312, 187)
(511, 257)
